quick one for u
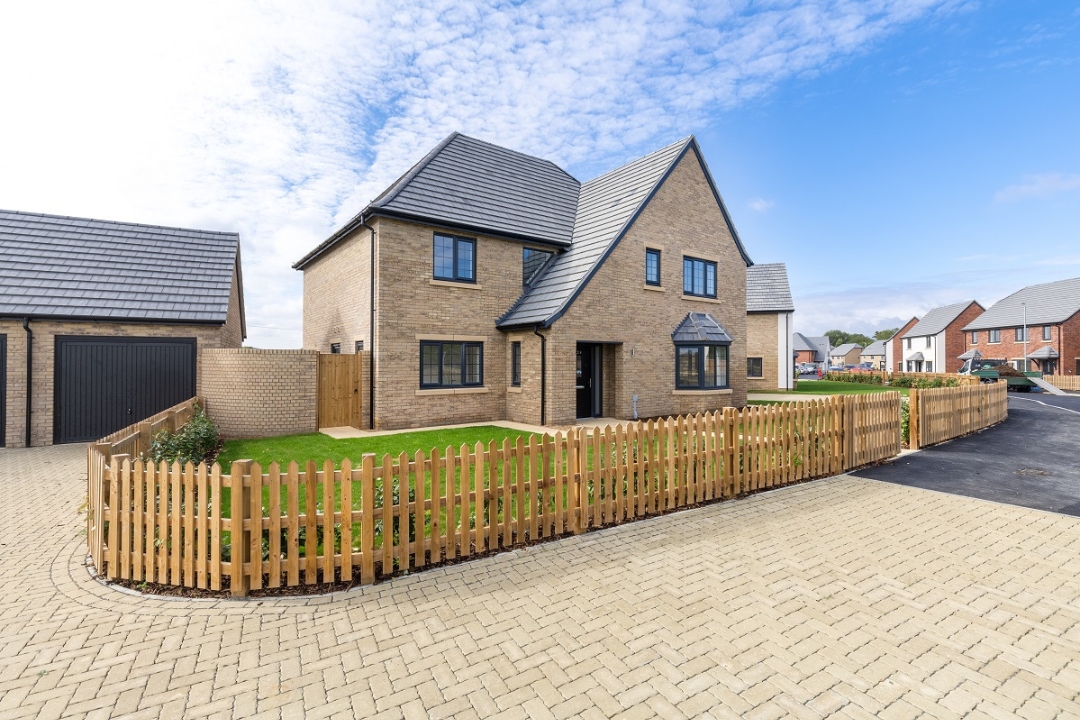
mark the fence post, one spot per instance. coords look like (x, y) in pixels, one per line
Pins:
(573, 493)
(239, 537)
(913, 419)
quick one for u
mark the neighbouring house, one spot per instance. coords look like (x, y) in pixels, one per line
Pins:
(101, 323)
(810, 349)
(894, 347)
(490, 284)
(874, 353)
(769, 309)
(935, 343)
(846, 354)
(1052, 326)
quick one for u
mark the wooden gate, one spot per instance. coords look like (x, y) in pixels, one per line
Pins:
(339, 400)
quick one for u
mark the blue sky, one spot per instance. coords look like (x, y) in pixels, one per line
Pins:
(896, 154)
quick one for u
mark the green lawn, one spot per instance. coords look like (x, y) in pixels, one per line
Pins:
(831, 387)
(319, 447)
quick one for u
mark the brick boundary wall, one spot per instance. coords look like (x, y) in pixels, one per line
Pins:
(251, 392)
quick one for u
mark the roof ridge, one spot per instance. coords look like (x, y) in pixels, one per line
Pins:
(119, 222)
(684, 141)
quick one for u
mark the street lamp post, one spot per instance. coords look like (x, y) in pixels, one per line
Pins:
(1025, 337)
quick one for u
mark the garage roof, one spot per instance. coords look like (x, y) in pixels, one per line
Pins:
(67, 267)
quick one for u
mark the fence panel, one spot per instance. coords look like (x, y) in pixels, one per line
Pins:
(945, 413)
(1064, 382)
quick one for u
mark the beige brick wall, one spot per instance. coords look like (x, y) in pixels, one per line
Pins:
(761, 334)
(682, 219)
(337, 296)
(411, 305)
(260, 393)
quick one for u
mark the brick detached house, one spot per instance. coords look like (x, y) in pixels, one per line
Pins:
(1053, 328)
(490, 284)
(769, 309)
(935, 343)
(810, 349)
(894, 347)
(101, 323)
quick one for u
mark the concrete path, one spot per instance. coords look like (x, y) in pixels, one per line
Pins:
(844, 597)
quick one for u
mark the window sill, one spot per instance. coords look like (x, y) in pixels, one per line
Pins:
(456, 284)
(755, 377)
(452, 391)
(721, 391)
(654, 288)
(516, 389)
(698, 298)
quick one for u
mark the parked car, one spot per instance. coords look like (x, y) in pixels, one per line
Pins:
(837, 368)
(863, 367)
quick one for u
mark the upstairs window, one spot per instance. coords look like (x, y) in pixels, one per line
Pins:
(909, 343)
(455, 258)
(974, 337)
(1021, 334)
(532, 261)
(995, 336)
(1046, 332)
(699, 277)
(652, 267)
(515, 364)
(451, 364)
(927, 341)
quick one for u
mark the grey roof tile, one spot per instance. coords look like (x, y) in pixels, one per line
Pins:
(938, 319)
(844, 349)
(767, 289)
(1047, 303)
(701, 328)
(51, 265)
(875, 348)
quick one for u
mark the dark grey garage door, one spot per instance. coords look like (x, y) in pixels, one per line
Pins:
(106, 383)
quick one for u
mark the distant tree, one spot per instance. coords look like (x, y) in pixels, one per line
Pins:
(886, 333)
(839, 337)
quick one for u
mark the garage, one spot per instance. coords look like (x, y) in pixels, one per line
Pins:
(106, 383)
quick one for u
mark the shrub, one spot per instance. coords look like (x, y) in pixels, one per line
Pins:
(862, 378)
(196, 441)
(905, 421)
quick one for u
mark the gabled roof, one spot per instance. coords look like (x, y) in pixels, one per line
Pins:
(938, 319)
(844, 349)
(607, 207)
(479, 187)
(66, 267)
(1046, 304)
(875, 348)
(767, 289)
(701, 328)
(818, 345)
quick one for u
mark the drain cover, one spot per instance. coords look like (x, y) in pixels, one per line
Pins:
(1032, 471)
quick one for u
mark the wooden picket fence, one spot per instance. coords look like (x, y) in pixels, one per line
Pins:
(1064, 382)
(941, 414)
(309, 524)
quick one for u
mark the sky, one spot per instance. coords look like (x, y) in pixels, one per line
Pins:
(897, 155)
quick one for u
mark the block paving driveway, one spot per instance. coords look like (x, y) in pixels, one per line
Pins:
(843, 597)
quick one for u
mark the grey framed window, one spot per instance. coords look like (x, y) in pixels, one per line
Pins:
(1046, 332)
(451, 364)
(909, 343)
(994, 336)
(974, 337)
(754, 367)
(515, 363)
(652, 267)
(699, 277)
(701, 367)
(454, 258)
(927, 341)
(335, 348)
(532, 262)
(929, 366)
(1021, 334)
(359, 346)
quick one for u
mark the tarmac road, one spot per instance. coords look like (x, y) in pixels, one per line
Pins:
(1031, 460)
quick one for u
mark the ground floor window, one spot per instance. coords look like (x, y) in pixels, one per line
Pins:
(701, 367)
(515, 363)
(335, 348)
(451, 364)
(929, 366)
(754, 367)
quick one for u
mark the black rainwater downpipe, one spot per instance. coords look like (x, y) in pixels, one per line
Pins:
(29, 374)
(371, 330)
(543, 375)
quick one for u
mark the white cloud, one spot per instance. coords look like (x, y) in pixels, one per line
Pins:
(760, 204)
(280, 119)
(1038, 186)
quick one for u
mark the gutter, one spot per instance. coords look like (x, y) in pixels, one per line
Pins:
(371, 328)
(543, 375)
(29, 374)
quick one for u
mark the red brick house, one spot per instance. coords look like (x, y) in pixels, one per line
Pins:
(1052, 326)
(894, 347)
